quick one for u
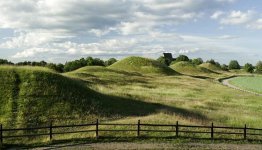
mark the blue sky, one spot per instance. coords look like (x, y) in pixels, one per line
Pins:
(63, 30)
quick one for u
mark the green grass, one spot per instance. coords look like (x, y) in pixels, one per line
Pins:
(248, 83)
(35, 95)
(188, 68)
(142, 65)
(31, 96)
(211, 67)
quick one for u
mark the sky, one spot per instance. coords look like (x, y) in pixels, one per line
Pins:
(63, 30)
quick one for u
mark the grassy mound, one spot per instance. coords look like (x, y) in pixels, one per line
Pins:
(189, 68)
(142, 65)
(210, 67)
(35, 95)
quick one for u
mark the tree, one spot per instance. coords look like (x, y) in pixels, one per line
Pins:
(211, 61)
(197, 61)
(163, 60)
(218, 64)
(182, 58)
(249, 68)
(42, 63)
(83, 62)
(233, 65)
(72, 65)
(5, 62)
(60, 67)
(224, 67)
(89, 61)
(110, 61)
(98, 62)
(259, 67)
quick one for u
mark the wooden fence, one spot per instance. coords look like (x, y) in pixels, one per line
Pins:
(211, 132)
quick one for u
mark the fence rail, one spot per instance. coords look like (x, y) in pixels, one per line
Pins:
(177, 129)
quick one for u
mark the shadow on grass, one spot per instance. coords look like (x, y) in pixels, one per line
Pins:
(111, 106)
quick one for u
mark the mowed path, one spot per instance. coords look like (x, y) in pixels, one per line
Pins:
(134, 146)
(226, 83)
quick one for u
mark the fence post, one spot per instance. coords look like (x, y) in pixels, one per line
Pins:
(212, 131)
(138, 128)
(177, 129)
(245, 132)
(1, 135)
(51, 131)
(97, 128)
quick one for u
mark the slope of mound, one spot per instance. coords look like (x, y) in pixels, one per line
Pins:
(189, 68)
(34, 95)
(210, 67)
(142, 65)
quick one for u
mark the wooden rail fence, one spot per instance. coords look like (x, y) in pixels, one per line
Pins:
(244, 132)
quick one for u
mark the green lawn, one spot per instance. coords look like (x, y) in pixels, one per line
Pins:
(248, 83)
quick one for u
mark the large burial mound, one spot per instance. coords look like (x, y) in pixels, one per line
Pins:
(34, 95)
(142, 65)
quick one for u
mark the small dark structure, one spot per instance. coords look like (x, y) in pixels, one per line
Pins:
(168, 58)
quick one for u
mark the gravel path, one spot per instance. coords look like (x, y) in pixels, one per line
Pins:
(226, 83)
(134, 146)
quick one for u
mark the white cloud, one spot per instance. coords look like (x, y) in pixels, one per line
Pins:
(227, 37)
(249, 18)
(238, 17)
(257, 24)
(34, 51)
(217, 14)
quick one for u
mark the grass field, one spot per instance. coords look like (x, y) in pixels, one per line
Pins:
(248, 83)
(33, 96)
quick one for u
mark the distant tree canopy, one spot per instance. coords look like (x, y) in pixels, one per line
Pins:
(249, 68)
(224, 67)
(163, 60)
(89, 61)
(110, 61)
(259, 67)
(197, 61)
(212, 61)
(233, 64)
(182, 58)
(68, 66)
(5, 62)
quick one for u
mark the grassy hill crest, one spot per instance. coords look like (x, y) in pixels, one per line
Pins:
(211, 67)
(188, 68)
(142, 65)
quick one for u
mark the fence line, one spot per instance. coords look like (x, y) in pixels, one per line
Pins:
(139, 128)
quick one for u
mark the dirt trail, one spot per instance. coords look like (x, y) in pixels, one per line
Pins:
(134, 146)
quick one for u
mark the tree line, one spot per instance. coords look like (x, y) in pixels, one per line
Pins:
(90, 61)
(233, 64)
(68, 66)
